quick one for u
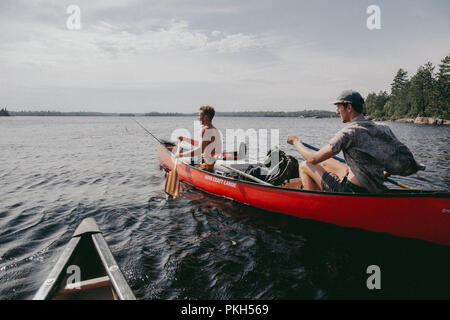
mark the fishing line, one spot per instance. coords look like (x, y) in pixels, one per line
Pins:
(147, 131)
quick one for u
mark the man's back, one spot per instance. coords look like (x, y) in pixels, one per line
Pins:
(370, 149)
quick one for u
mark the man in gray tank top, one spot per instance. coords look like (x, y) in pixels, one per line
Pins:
(371, 150)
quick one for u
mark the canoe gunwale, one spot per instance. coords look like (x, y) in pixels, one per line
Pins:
(396, 192)
(87, 231)
(50, 284)
(403, 213)
(117, 279)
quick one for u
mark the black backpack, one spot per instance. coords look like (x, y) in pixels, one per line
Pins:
(276, 168)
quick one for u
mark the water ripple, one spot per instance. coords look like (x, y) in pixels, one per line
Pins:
(197, 246)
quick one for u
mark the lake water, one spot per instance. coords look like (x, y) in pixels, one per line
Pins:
(56, 171)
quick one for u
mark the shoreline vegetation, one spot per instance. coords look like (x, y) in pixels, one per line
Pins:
(297, 114)
(423, 98)
(315, 114)
(4, 113)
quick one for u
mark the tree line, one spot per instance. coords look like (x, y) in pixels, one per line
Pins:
(301, 114)
(305, 114)
(60, 114)
(4, 112)
(425, 94)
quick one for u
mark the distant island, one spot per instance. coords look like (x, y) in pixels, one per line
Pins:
(298, 114)
(4, 113)
(423, 98)
(60, 114)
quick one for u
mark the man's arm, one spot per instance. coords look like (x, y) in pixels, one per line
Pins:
(192, 152)
(200, 146)
(194, 142)
(309, 155)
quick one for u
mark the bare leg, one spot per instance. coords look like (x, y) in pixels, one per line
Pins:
(311, 175)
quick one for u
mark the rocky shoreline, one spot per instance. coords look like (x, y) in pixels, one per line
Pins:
(421, 120)
(425, 120)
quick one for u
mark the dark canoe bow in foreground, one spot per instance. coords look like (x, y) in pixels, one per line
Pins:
(415, 214)
(100, 276)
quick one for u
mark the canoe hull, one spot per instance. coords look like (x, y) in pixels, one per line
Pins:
(423, 216)
(86, 270)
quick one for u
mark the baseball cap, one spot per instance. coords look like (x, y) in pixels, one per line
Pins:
(350, 96)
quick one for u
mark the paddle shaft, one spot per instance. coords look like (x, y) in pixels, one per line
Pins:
(343, 161)
(246, 175)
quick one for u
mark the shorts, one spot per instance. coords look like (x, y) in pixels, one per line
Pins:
(331, 183)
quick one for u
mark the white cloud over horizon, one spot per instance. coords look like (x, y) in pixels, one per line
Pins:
(176, 58)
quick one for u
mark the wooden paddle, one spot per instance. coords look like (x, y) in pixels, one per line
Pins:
(172, 183)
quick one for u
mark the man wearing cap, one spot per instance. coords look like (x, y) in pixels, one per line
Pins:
(369, 149)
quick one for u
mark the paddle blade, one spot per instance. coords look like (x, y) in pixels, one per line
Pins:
(172, 183)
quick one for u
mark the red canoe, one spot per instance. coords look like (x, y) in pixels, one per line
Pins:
(412, 214)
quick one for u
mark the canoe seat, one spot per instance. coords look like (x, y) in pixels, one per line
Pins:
(85, 285)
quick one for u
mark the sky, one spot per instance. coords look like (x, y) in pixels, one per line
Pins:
(236, 55)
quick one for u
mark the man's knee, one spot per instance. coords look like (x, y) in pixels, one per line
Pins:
(306, 167)
(302, 166)
(313, 170)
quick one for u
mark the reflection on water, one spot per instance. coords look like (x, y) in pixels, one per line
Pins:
(57, 171)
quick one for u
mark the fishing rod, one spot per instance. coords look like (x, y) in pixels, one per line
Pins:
(147, 131)
(242, 147)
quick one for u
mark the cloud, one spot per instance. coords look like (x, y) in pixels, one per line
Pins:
(176, 35)
(173, 55)
(117, 40)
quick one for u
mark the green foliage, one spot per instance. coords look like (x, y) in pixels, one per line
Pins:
(4, 113)
(60, 114)
(167, 114)
(426, 94)
(375, 104)
(400, 80)
(305, 114)
(443, 87)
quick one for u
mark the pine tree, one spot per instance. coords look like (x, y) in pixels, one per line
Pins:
(400, 79)
(399, 105)
(444, 69)
(443, 88)
(370, 104)
(381, 100)
(422, 92)
(4, 112)
(375, 103)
